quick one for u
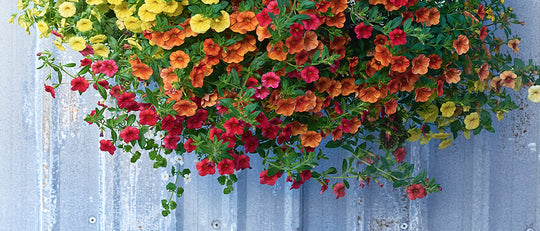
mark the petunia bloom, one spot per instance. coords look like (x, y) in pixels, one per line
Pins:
(107, 146)
(50, 89)
(206, 167)
(363, 31)
(79, 84)
(461, 44)
(108, 67)
(310, 74)
(339, 190)
(270, 80)
(129, 134)
(226, 167)
(397, 37)
(416, 191)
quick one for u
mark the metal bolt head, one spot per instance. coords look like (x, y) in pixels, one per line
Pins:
(216, 225)
(404, 226)
(529, 229)
(92, 219)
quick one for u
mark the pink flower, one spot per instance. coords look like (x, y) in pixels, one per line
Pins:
(129, 134)
(416, 191)
(55, 33)
(273, 7)
(270, 79)
(148, 117)
(312, 23)
(261, 92)
(96, 66)
(310, 74)
(397, 37)
(297, 30)
(87, 51)
(107, 146)
(339, 190)
(108, 67)
(50, 90)
(363, 31)
(79, 84)
(171, 141)
(263, 18)
(225, 167)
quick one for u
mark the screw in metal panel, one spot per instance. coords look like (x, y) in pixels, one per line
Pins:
(529, 229)
(216, 224)
(404, 226)
(92, 219)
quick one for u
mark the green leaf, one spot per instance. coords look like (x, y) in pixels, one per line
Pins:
(171, 187)
(333, 144)
(179, 191)
(233, 178)
(102, 91)
(346, 183)
(164, 204)
(222, 180)
(70, 65)
(227, 190)
(152, 154)
(172, 205)
(135, 157)
(330, 171)
(344, 166)
(131, 119)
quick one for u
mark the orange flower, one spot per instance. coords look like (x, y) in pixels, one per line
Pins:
(310, 40)
(370, 95)
(461, 44)
(263, 33)
(311, 139)
(298, 128)
(375, 2)
(209, 100)
(483, 72)
(168, 75)
(434, 62)
(179, 59)
(422, 15)
(339, 42)
(422, 94)
(334, 89)
(452, 75)
(295, 44)
(390, 107)
(355, 124)
(338, 6)
(198, 73)
(211, 48)
(383, 55)
(242, 22)
(231, 54)
(301, 57)
(323, 84)
(276, 52)
(400, 64)
(420, 65)
(514, 45)
(508, 79)
(142, 71)
(172, 38)
(187, 32)
(285, 107)
(337, 21)
(211, 60)
(172, 92)
(347, 86)
(248, 44)
(305, 102)
(393, 86)
(407, 83)
(185, 108)
(134, 60)
(433, 17)
(381, 40)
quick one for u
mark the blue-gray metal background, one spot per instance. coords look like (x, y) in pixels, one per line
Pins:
(53, 176)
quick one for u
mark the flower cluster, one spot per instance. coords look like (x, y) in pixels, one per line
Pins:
(227, 80)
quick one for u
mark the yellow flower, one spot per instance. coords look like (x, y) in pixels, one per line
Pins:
(185, 2)
(77, 43)
(123, 10)
(472, 121)
(21, 5)
(147, 25)
(445, 143)
(178, 11)
(95, 2)
(101, 50)
(210, 2)
(428, 112)
(154, 6)
(425, 139)
(200, 24)
(114, 2)
(500, 115)
(98, 38)
(11, 19)
(448, 108)
(133, 24)
(134, 43)
(467, 134)
(84, 25)
(489, 14)
(534, 94)
(170, 7)
(24, 24)
(103, 8)
(67, 9)
(145, 14)
(159, 53)
(414, 134)
(222, 22)
(59, 45)
(43, 28)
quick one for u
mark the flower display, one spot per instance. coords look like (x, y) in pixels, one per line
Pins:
(234, 81)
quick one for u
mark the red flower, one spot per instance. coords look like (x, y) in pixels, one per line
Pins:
(103, 83)
(483, 33)
(250, 143)
(127, 101)
(85, 62)
(241, 162)
(305, 175)
(107, 146)
(226, 167)
(173, 125)
(310, 74)
(481, 12)
(129, 134)
(79, 84)
(148, 117)
(416, 191)
(363, 31)
(399, 154)
(87, 51)
(96, 66)
(171, 141)
(189, 146)
(108, 67)
(297, 30)
(312, 23)
(50, 90)
(215, 132)
(270, 131)
(339, 190)
(234, 126)
(324, 186)
(263, 18)
(205, 167)
(397, 37)
(270, 79)
(196, 121)
(269, 180)
(115, 91)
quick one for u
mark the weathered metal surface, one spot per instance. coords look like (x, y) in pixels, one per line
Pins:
(55, 177)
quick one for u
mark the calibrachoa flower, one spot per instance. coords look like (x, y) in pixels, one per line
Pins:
(224, 79)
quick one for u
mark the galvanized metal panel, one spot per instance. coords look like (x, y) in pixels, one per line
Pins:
(55, 177)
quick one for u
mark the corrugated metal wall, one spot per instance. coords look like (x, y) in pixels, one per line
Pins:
(55, 178)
